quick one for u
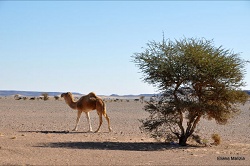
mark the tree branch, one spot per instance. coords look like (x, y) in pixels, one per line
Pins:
(176, 133)
(180, 123)
(194, 125)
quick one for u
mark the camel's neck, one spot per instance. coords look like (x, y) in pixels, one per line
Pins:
(72, 104)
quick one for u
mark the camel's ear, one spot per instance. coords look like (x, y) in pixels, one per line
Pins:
(62, 94)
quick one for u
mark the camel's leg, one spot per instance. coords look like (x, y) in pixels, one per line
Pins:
(100, 121)
(77, 119)
(89, 122)
(108, 120)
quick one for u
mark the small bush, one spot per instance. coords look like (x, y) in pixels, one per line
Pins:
(56, 97)
(17, 97)
(216, 139)
(45, 96)
(197, 139)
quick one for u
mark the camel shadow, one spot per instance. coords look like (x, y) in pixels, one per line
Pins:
(124, 146)
(54, 132)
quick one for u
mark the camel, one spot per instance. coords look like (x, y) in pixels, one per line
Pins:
(86, 104)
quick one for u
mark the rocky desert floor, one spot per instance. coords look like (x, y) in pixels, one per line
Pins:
(37, 132)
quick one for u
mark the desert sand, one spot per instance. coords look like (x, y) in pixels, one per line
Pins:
(37, 132)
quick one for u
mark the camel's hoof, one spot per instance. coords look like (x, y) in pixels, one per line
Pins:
(97, 131)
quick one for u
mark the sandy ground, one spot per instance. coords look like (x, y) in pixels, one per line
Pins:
(39, 133)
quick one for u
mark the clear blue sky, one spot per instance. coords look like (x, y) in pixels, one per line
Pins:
(84, 46)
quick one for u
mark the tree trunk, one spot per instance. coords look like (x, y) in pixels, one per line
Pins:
(183, 140)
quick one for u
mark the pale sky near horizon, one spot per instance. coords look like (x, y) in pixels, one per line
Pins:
(83, 46)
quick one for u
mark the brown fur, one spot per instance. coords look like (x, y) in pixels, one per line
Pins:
(86, 104)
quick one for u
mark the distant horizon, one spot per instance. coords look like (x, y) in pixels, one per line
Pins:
(78, 93)
(74, 93)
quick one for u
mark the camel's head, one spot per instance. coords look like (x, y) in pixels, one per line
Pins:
(66, 95)
(69, 99)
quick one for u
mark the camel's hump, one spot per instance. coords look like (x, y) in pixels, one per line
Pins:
(92, 94)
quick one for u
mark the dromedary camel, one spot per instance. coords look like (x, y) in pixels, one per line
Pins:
(86, 104)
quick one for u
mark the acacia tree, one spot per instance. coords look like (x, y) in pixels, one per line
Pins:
(195, 79)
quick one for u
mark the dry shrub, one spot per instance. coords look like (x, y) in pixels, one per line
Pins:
(216, 139)
(17, 97)
(197, 139)
(45, 96)
(56, 97)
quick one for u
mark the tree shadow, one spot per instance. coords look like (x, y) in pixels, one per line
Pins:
(125, 146)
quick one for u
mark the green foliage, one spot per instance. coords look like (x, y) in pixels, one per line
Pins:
(196, 79)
